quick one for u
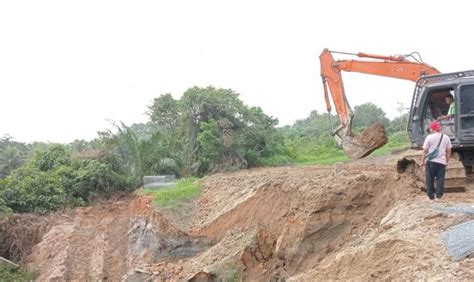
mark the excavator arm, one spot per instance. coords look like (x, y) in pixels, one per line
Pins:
(389, 66)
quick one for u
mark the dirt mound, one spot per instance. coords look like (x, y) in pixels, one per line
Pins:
(281, 221)
(273, 197)
(404, 246)
(106, 241)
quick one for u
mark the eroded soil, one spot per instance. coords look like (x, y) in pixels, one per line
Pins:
(346, 221)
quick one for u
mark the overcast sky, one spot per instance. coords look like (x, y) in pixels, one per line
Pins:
(67, 67)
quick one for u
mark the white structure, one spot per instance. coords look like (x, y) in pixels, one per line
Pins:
(158, 181)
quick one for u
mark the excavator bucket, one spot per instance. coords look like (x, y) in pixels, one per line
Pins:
(455, 179)
(360, 146)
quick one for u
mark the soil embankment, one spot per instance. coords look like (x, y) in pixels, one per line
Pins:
(346, 221)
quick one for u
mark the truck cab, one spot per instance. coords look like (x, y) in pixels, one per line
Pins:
(429, 103)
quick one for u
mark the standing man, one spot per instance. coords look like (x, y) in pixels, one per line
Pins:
(435, 167)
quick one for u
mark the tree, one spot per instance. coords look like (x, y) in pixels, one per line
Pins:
(139, 150)
(211, 145)
(313, 126)
(12, 154)
(259, 139)
(398, 123)
(206, 118)
(79, 145)
(164, 111)
(204, 105)
(10, 159)
(368, 114)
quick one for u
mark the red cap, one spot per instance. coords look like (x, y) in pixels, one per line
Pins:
(434, 125)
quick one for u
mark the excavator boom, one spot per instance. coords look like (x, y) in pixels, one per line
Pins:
(389, 66)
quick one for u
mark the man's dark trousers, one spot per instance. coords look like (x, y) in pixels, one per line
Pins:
(434, 170)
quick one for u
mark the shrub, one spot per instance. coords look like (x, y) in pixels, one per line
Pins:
(52, 180)
(3, 205)
(29, 189)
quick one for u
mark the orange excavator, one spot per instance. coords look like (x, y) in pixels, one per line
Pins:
(407, 67)
(428, 103)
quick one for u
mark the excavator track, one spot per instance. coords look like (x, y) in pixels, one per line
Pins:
(457, 177)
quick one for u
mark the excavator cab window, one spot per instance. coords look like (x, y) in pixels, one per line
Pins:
(467, 107)
(437, 108)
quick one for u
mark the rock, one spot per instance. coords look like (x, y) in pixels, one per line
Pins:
(246, 257)
(137, 275)
(338, 168)
(139, 270)
(202, 276)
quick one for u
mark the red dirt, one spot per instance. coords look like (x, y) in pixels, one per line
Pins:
(105, 241)
(340, 222)
(369, 140)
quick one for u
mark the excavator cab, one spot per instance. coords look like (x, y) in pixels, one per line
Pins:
(437, 108)
(429, 103)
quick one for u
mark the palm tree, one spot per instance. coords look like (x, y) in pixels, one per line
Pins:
(10, 159)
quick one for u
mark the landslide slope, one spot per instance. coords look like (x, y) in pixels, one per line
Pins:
(284, 221)
(346, 221)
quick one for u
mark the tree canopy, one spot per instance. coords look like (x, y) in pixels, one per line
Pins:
(206, 130)
(368, 114)
(213, 130)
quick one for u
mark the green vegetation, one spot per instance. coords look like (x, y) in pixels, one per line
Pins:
(15, 274)
(367, 114)
(227, 271)
(172, 197)
(207, 130)
(211, 130)
(320, 150)
(311, 153)
(12, 154)
(396, 141)
(308, 141)
(52, 179)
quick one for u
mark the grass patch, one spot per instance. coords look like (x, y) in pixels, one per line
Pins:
(15, 274)
(278, 160)
(324, 159)
(303, 156)
(227, 271)
(172, 197)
